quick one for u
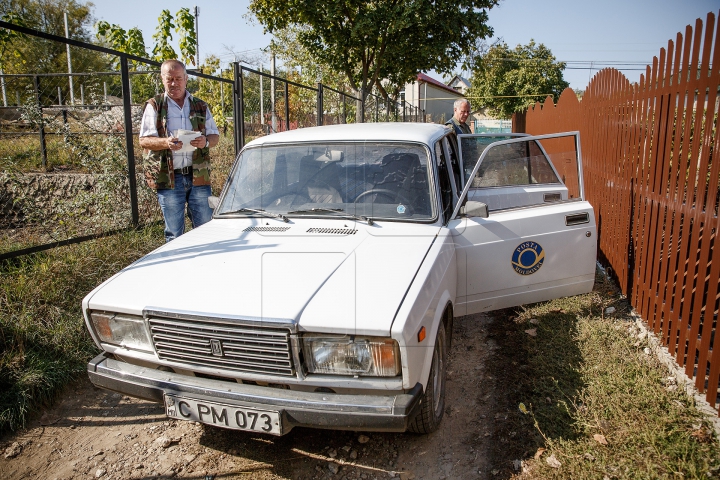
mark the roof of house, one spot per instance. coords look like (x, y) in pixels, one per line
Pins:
(436, 83)
(459, 79)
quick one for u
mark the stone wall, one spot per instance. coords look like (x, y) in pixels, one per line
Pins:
(41, 189)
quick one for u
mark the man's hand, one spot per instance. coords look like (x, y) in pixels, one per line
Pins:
(174, 144)
(199, 142)
(209, 140)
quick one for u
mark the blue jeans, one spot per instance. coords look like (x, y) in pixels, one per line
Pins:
(172, 203)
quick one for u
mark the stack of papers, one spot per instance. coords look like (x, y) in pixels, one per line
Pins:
(186, 136)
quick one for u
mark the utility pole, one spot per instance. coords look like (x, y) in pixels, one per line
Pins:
(196, 11)
(272, 93)
(262, 101)
(67, 47)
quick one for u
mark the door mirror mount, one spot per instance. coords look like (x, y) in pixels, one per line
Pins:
(213, 202)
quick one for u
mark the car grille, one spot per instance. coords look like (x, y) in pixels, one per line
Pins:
(223, 346)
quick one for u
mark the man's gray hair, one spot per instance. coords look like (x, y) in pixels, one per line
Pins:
(460, 101)
(172, 63)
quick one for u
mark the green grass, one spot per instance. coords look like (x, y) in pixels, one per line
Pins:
(587, 374)
(43, 340)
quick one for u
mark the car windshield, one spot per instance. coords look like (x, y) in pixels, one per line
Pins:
(376, 180)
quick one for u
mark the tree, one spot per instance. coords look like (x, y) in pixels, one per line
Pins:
(45, 56)
(132, 42)
(507, 81)
(116, 37)
(298, 59)
(378, 42)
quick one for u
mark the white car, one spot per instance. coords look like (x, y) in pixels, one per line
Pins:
(323, 291)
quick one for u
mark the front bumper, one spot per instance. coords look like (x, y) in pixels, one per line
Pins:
(306, 409)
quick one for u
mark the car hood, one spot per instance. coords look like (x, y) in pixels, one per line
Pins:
(322, 275)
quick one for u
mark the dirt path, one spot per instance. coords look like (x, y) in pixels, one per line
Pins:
(92, 433)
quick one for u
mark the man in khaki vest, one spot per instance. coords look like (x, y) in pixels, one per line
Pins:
(180, 175)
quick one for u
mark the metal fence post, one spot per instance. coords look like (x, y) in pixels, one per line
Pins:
(64, 110)
(287, 107)
(238, 114)
(319, 104)
(127, 108)
(43, 146)
(362, 105)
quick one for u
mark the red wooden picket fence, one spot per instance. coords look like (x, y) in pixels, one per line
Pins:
(652, 168)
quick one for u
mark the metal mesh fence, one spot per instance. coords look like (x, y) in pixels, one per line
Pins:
(69, 152)
(273, 104)
(68, 164)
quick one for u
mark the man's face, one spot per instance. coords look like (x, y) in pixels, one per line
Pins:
(461, 114)
(174, 80)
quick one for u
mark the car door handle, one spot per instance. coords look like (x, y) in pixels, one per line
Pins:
(577, 219)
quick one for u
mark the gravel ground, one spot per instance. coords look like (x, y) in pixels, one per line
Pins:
(92, 433)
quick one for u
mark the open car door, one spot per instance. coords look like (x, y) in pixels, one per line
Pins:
(538, 239)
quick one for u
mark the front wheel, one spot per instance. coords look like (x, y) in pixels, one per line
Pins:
(432, 403)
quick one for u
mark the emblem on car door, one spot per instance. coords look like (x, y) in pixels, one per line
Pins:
(527, 258)
(216, 348)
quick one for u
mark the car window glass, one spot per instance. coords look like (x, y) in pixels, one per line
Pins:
(523, 173)
(473, 146)
(521, 163)
(381, 180)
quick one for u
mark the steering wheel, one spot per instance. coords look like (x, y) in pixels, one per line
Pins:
(393, 196)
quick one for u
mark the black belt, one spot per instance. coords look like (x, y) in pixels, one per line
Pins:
(183, 171)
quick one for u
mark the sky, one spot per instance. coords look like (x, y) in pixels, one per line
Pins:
(588, 35)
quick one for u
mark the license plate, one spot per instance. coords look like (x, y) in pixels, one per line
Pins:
(220, 415)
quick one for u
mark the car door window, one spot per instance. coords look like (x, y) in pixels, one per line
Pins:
(472, 146)
(522, 163)
(514, 173)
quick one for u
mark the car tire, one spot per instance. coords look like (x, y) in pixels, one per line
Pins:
(432, 403)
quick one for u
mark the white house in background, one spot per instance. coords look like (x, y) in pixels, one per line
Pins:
(433, 96)
(459, 84)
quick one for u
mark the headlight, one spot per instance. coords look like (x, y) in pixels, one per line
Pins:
(124, 330)
(349, 355)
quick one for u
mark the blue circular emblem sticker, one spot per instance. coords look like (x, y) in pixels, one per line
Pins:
(401, 209)
(527, 258)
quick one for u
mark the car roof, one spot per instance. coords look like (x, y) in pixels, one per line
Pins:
(425, 133)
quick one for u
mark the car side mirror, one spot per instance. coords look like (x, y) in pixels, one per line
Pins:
(213, 202)
(474, 209)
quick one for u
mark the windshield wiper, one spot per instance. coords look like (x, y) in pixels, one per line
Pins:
(257, 210)
(339, 211)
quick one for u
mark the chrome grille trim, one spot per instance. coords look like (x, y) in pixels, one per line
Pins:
(252, 349)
